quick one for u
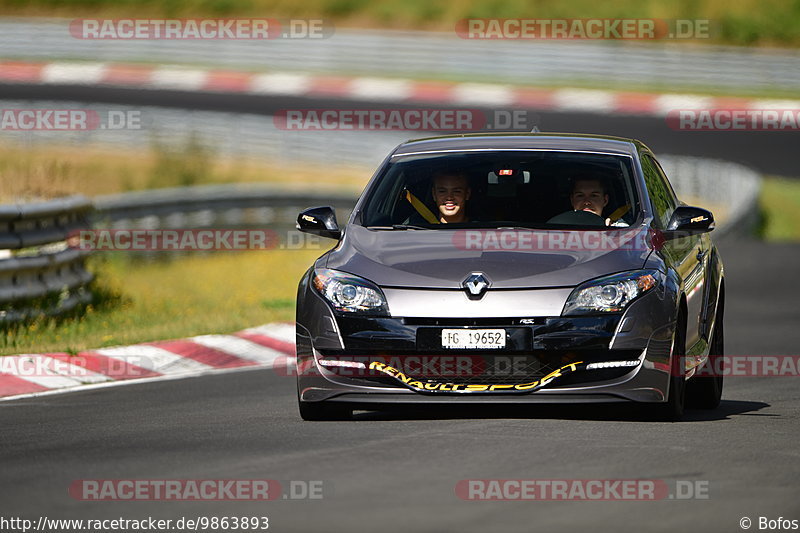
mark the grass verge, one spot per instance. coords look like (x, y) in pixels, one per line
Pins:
(50, 171)
(780, 209)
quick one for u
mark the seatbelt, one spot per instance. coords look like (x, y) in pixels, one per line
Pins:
(619, 213)
(421, 208)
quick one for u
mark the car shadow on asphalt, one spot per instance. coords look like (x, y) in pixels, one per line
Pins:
(608, 412)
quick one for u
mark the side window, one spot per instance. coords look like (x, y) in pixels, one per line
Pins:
(661, 195)
(663, 175)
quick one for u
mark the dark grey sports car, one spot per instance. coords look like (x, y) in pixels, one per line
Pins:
(512, 268)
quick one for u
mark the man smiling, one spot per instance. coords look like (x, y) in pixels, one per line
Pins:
(451, 191)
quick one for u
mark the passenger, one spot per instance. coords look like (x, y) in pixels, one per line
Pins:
(589, 194)
(451, 192)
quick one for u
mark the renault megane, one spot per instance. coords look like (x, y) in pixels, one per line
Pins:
(512, 268)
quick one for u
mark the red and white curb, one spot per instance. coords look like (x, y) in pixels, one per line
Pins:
(268, 346)
(368, 88)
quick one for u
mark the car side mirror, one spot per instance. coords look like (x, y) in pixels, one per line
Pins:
(688, 220)
(319, 221)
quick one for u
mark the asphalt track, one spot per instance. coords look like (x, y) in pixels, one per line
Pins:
(398, 471)
(768, 152)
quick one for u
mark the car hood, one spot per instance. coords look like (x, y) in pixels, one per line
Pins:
(442, 259)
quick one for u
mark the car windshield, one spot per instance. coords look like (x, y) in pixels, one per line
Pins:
(536, 189)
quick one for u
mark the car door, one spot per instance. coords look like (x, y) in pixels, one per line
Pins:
(687, 255)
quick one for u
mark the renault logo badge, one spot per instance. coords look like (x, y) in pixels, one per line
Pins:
(476, 284)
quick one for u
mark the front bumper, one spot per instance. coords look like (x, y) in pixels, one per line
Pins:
(546, 358)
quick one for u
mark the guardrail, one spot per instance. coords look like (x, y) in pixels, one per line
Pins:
(431, 55)
(39, 273)
(221, 206)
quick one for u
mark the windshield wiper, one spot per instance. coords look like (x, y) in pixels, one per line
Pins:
(398, 226)
(408, 226)
(513, 227)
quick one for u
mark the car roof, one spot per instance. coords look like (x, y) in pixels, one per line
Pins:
(522, 141)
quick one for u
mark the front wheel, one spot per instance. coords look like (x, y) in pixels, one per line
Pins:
(705, 390)
(672, 409)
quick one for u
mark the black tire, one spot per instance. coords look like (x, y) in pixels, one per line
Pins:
(705, 390)
(320, 411)
(672, 409)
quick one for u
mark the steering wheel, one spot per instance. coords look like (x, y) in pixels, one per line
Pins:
(578, 218)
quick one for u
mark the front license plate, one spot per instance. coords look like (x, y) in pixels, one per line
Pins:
(474, 338)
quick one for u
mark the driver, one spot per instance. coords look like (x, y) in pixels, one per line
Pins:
(589, 194)
(451, 192)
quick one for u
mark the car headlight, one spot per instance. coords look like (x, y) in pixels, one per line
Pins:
(610, 294)
(350, 293)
